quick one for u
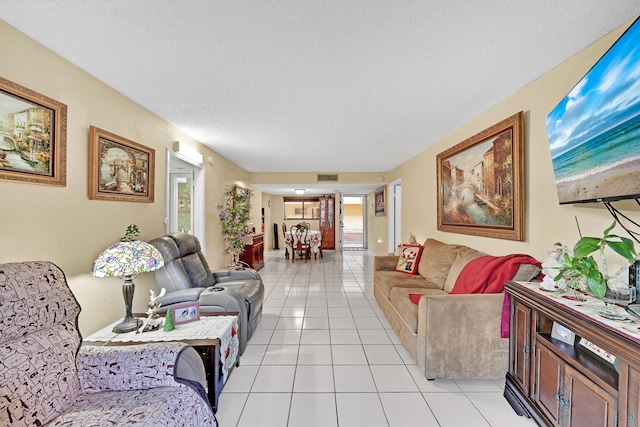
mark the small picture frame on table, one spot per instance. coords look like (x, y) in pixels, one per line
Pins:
(563, 334)
(185, 313)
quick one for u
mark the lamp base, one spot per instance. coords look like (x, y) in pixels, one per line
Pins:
(129, 324)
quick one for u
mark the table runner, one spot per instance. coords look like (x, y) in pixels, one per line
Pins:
(224, 328)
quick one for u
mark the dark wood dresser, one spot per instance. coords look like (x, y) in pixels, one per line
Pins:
(254, 251)
(560, 383)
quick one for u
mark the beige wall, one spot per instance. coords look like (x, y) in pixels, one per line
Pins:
(64, 226)
(546, 221)
(61, 224)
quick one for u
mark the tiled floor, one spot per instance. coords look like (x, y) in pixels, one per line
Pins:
(325, 355)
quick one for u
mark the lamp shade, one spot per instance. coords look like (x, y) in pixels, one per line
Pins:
(127, 258)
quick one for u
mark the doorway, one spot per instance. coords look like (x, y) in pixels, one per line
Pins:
(394, 203)
(185, 196)
(353, 222)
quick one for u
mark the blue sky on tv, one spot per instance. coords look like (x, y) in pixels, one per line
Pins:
(609, 94)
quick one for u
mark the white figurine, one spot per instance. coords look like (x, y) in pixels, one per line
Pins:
(153, 320)
(551, 266)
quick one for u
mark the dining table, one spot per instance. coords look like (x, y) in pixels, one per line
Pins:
(314, 239)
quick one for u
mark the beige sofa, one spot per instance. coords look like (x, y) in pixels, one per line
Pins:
(448, 335)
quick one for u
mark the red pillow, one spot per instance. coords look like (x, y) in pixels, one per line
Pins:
(409, 258)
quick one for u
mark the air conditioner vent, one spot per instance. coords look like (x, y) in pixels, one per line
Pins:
(328, 178)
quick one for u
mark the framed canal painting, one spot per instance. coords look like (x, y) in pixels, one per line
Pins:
(33, 136)
(119, 169)
(481, 183)
(381, 201)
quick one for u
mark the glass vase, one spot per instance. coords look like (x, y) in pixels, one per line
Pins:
(617, 293)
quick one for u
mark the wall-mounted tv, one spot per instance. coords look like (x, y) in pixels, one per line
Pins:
(594, 132)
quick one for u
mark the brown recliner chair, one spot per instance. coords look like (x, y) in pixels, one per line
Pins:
(186, 277)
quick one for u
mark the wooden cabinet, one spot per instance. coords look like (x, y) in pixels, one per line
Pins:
(564, 384)
(327, 222)
(254, 251)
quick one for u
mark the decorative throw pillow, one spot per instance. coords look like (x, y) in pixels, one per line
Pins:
(409, 259)
(464, 255)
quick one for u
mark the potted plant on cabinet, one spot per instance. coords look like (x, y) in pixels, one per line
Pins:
(582, 272)
(234, 219)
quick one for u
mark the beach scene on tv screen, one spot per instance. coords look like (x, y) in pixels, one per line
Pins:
(594, 133)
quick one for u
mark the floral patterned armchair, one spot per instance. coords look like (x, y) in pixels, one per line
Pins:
(48, 378)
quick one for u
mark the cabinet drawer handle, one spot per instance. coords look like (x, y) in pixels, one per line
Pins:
(561, 400)
(632, 419)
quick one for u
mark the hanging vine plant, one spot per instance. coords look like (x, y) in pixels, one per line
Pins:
(234, 220)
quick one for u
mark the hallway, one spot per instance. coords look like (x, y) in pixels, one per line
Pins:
(325, 355)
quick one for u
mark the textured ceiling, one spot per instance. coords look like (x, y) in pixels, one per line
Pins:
(355, 85)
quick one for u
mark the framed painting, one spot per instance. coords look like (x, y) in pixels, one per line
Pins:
(119, 169)
(381, 201)
(33, 136)
(480, 183)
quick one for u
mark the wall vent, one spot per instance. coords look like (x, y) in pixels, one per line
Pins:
(328, 178)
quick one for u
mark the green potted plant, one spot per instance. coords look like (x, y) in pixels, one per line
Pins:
(234, 219)
(582, 272)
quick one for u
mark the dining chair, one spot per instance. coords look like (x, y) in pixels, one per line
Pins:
(284, 236)
(299, 242)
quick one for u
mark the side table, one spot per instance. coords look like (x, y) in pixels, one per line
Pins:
(214, 337)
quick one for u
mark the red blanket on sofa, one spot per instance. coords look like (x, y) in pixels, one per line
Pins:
(487, 274)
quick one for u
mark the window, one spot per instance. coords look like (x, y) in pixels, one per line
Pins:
(301, 208)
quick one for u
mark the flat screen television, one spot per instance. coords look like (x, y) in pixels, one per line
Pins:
(594, 132)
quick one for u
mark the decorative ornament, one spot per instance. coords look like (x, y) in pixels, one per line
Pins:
(168, 322)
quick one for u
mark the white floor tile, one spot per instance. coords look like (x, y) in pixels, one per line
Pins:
(274, 379)
(293, 312)
(346, 336)
(363, 312)
(393, 378)
(407, 410)
(360, 409)
(373, 336)
(289, 323)
(313, 410)
(241, 380)
(348, 355)
(316, 312)
(285, 336)
(230, 407)
(340, 312)
(495, 409)
(314, 355)
(341, 323)
(404, 354)
(378, 354)
(367, 323)
(465, 414)
(265, 410)
(350, 378)
(478, 385)
(314, 379)
(253, 355)
(315, 323)
(315, 336)
(280, 354)
(317, 304)
(261, 336)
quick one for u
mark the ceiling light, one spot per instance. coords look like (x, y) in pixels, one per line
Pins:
(299, 190)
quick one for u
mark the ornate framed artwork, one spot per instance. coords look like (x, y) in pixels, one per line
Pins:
(381, 201)
(119, 169)
(480, 183)
(33, 136)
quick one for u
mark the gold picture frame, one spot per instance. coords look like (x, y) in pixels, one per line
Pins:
(119, 169)
(480, 183)
(381, 201)
(33, 136)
